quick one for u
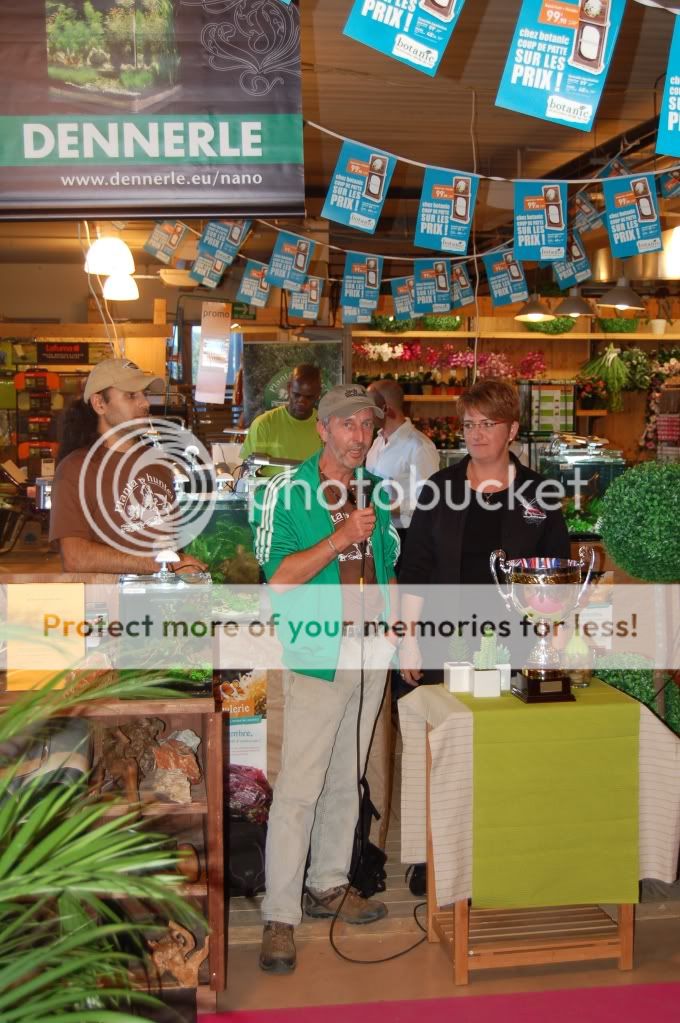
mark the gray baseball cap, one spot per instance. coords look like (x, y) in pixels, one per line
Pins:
(346, 399)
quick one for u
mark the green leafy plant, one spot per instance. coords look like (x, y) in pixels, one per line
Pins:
(487, 656)
(459, 649)
(441, 323)
(639, 369)
(631, 673)
(639, 521)
(560, 325)
(609, 367)
(390, 325)
(617, 324)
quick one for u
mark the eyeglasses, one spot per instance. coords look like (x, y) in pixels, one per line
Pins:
(486, 425)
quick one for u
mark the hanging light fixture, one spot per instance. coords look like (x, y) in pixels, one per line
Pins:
(120, 288)
(109, 256)
(622, 297)
(534, 311)
(574, 305)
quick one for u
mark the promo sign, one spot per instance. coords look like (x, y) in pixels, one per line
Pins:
(254, 288)
(587, 216)
(63, 351)
(207, 270)
(165, 239)
(669, 184)
(668, 136)
(576, 267)
(559, 59)
(540, 220)
(447, 203)
(432, 293)
(213, 358)
(352, 314)
(506, 278)
(222, 239)
(290, 261)
(402, 297)
(414, 31)
(305, 302)
(358, 187)
(632, 215)
(361, 281)
(462, 292)
(184, 106)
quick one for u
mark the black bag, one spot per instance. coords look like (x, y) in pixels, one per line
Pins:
(367, 871)
(245, 864)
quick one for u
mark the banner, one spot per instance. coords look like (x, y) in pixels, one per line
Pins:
(222, 239)
(462, 292)
(668, 136)
(183, 106)
(353, 314)
(306, 301)
(416, 35)
(559, 59)
(632, 215)
(207, 270)
(290, 261)
(588, 217)
(576, 267)
(358, 187)
(432, 292)
(540, 220)
(361, 281)
(165, 239)
(506, 278)
(447, 203)
(402, 297)
(669, 184)
(254, 288)
(213, 357)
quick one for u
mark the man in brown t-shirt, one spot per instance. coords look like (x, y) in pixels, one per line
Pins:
(113, 499)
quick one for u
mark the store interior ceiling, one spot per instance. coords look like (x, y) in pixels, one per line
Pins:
(449, 120)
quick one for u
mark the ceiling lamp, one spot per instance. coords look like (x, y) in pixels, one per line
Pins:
(574, 305)
(120, 288)
(109, 256)
(534, 312)
(622, 296)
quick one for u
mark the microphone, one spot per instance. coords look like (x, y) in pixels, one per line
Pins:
(361, 485)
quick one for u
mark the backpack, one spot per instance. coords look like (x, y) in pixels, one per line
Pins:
(245, 861)
(367, 870)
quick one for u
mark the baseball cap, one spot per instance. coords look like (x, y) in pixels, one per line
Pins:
(345, 400)
(124, 375)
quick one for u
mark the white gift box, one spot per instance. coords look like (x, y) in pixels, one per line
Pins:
(487, 682)
(458, 676)
(506, 672)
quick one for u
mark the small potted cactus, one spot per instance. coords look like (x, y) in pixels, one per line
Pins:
(458, 670)
(504, 665)
(487, 677)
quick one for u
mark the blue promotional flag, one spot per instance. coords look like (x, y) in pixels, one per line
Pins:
(402, 297)
(290, 261)
(254, 289)
(352, 314)
(432, 286)
(447, 203)
(616, 168)
(540, 220)
(632, 215)
(669, 184)
(415, 34)
(462, 292)
(559, 59)
(305, 302)
(576, 267)
(361, 281)
(668, 136)
(207, 270)
(588, 217)
(222, 239)
(506, 278)
(358, 187)
(165, 239)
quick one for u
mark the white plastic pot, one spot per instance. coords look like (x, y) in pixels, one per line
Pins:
(657, 326)
(487, 682)
(458, 676)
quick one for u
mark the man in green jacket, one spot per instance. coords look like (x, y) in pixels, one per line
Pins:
(330, 565)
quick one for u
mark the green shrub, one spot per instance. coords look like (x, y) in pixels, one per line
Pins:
(639, 523)
(560, 325)
(617, 324)
(136, 79)
(441, 322)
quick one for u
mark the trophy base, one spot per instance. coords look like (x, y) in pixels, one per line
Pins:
(542, 685)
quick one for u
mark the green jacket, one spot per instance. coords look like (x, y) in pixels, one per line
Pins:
(284, 523)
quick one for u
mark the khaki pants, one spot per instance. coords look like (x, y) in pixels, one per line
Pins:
(315, 795)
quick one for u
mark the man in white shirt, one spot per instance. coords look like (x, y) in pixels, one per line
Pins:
(400, 453)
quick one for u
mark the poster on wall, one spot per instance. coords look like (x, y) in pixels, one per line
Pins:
(540, 220)
(506, 278)
(180, 106)
(413, 31)
(358, 187)
(632, 215)
(559, 59)
(447, 203)
(668, 136)
(267, 369)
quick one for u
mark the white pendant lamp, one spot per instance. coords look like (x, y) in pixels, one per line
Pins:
(574, 305)
(120, 288)
(534, 312)
(622, 297)
(108, 256)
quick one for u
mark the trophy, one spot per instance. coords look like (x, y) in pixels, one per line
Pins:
(544, 590)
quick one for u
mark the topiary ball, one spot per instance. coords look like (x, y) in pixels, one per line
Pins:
(639, 524)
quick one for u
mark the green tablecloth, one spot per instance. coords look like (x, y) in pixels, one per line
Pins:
(555, 803)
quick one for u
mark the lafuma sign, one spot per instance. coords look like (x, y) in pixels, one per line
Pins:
(177, 105)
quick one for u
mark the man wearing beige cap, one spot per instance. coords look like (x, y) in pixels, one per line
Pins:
(113, 501)
(319, 543)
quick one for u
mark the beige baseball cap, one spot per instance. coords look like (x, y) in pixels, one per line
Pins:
(123, 374)
(346, 399)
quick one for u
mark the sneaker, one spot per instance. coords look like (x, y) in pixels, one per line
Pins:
(277, 954)
(417, 879)
(355, 908)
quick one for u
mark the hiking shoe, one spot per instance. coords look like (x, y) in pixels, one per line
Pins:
(417, 879)
(355, 908)
(277, 954)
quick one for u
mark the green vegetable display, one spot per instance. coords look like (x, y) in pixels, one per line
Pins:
(441, 322)
(639, 369)
(617, 324)
(560, 325)
(390, 325)
(611, 368)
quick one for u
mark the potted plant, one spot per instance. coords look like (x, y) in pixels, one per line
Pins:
(504, 665)
(458, 670)
(591, 392)
(487, 677)
(663, 317)
(427, 382)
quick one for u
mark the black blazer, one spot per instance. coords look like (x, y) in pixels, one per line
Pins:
(434, 542)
